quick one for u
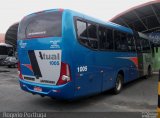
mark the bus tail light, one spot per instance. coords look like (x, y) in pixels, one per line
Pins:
(65, 75)
(19, 71)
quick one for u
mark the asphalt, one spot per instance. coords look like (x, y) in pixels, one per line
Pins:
(139, 96)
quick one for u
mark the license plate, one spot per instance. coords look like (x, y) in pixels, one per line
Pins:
(39, 89)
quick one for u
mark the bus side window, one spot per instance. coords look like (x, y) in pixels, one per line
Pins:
(145, 45)
(92, 36)
(82, 32)
(106, 38)
(138, 45)
(109, 40)
(120, 41)
(82, 29)
(117, 39)
(102, 37)
(131, 43)
(124, 43)
(87, 34)
(92, 31)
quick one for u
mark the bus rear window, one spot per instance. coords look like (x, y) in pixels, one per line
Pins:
(47, 24)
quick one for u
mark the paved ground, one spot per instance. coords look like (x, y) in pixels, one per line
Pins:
(137, 96)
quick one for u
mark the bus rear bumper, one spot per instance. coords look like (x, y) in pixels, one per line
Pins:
(64, 92)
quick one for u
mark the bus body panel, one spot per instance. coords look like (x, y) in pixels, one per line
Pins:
(102, 70)
(48, 70)
(37, 50)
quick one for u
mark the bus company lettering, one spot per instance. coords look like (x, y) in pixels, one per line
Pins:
(45, 56)
(54, 58)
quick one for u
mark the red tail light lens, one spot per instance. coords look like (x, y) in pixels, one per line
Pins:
(65, 75)
(19, 71)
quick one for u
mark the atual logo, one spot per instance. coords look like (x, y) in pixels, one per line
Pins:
(52, 58)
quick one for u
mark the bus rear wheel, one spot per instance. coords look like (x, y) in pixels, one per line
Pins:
(118, 84)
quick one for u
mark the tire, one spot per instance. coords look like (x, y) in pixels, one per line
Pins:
(118, 84)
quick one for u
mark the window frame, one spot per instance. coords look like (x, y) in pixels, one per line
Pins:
(76, 30)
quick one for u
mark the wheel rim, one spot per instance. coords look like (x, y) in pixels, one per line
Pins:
(118, 84)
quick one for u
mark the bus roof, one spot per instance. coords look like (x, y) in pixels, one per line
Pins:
(106, 23)
(75, 13)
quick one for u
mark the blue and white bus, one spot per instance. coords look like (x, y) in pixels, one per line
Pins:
(68, 55)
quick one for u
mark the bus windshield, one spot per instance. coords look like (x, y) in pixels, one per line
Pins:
(45, 24)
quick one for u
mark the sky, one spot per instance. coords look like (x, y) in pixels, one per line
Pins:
(12, 11)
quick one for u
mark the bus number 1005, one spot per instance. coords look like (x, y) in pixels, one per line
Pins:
(82, 69)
